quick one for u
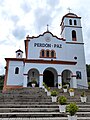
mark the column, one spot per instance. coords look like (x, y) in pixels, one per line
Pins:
(59, 81)
(40, 80)
(25, 80)
(74, 82)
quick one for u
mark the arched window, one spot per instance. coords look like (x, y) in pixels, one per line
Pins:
(16, 70)
(74, 35)
(52, 54)
(75, 22)
(70, 22)
(42, 54)
(47, 53)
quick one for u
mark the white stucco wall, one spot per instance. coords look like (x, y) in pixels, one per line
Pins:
(15, 79)
(42, 39)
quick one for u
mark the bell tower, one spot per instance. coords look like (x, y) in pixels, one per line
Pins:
(71, 28)
(19, 53)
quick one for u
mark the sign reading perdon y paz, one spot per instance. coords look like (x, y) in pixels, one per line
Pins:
(47, 45)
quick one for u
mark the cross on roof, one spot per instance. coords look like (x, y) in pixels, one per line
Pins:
(47, 27)
(69, 9)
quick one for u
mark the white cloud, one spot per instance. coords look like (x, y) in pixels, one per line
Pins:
(19, 18)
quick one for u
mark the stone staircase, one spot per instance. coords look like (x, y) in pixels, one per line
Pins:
(34, 104)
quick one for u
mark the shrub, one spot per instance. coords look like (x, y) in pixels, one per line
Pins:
(34, 82)
(83, 94)
(48, 88)
(65, 86)
(88, 85)
(54, 93)
(43, 84)
(72, 108)
(62, 100)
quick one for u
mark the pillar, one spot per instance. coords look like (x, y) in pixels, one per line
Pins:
(40, 80)
(74, 82)
(59, 81)
(25, 80)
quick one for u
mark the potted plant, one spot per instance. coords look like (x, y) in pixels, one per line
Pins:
(62, 103)
(71, 92)
(54, 96)
(48, 91)
(72, 108)
(33, 83)
(43, 85)
(67, 84)
(83, 97)
(65, 88)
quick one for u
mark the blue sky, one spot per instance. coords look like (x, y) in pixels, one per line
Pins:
(18, 18)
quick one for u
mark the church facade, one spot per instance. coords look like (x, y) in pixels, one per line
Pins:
(55, 61)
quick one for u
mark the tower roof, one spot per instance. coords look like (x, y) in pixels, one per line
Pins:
(69, 15)
(19, 51)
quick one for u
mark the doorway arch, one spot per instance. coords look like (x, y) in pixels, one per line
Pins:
(67, 77)
(33, 74)
(50, 77)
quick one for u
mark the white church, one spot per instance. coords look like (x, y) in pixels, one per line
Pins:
(50, 59)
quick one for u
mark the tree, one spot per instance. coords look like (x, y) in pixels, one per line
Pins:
(1, 81)
(88, 72)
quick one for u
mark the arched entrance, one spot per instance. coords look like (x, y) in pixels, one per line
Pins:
(50, 77)
(33, 74)
(67, 77)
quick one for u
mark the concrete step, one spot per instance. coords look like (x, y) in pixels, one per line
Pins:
(27, 100)
(30, 106)
(7, 110)
(36, 103)
(26, 103)
(51, 105)
(33, 103)
(53, 118)
(56, 118)
(41, 114)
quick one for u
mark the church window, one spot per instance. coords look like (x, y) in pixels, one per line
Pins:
(16, 70)
(78, 75)
(75, 22)
(42, 54)
(70, 22)
(52, 54)
(74, 35)
(75, 58)
(47, 53)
